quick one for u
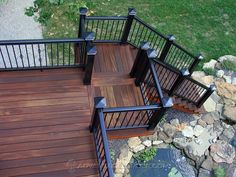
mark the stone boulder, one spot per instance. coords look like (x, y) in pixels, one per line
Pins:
(230, 113)
(208, 163)
(221, 151)
(188, 132)
(197, 146)
(147, 143)
(125, 155)
(134, 142)
(169, 129)
(198, 130)
(209, 118)
(210, 105)
(226, 90)
(220, 73)
(227, 57)
(211, 64)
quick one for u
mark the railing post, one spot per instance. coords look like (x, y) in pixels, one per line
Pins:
(210, 90)
(137, 66)
(158, 114)
(90, 56)
(128, 24)
(83, 12)
(99, 103)
(179, 80)
(195, 63)
(145, 63)
(167, 46)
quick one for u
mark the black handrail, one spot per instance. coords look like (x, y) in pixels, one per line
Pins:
(40, 41)
(133, 30)
(100, 137)
(186, 87)
(42, 54)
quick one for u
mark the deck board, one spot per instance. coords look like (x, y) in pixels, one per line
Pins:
(44, 116)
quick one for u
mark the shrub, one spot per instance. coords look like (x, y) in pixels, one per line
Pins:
(219, 172)
(42, 10)
(146, 155)
(210, 71)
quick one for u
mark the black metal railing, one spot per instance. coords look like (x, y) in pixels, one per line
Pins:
(146, 76)
(41, 54)
(131, 29)
(140, 31)
(100, 137)
(178, 83)
(129, 117)
(107, 29)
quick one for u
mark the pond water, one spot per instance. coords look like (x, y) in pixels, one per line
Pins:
(167, 163)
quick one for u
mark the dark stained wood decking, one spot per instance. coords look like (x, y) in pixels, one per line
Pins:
(44, 116)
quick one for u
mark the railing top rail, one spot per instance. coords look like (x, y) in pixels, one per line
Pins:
(183, 49)
(105, 144)
(196, 82)
(163, 36)
(40, 41)
(131, 108)
(156, 81)
(106, 17)
(166, 65)
(150, 27)
(178, 72)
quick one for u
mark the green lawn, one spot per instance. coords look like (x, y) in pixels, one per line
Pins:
(206, 26)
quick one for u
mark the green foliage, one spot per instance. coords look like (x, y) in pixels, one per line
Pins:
(229, 65)
(112, 154)
(43, 10)
(219, 172)
(146, 155)
(163, 119)
(210, 71)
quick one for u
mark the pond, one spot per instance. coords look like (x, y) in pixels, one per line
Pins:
(168, 162)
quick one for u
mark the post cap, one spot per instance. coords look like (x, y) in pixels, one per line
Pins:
(171, 37)
(100, 102)
(132, 11)
(167, 102)
(91, 50)
(212, 87)
(89, 36)
(185, 72)
(144, 46)
(151, 53)
(200, 57)
(83, 10)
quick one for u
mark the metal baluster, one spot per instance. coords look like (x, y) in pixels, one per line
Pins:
(9, 56)
(15, 56)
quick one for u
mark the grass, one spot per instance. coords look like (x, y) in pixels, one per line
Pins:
(206, 26)
(210, 71)
(228, 65)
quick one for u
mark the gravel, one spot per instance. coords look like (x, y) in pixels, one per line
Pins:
(15, 24)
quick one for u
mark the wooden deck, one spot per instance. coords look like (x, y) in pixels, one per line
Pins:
(44, 116)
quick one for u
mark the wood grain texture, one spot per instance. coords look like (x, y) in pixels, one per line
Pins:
(44, 119)
(44, 116)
